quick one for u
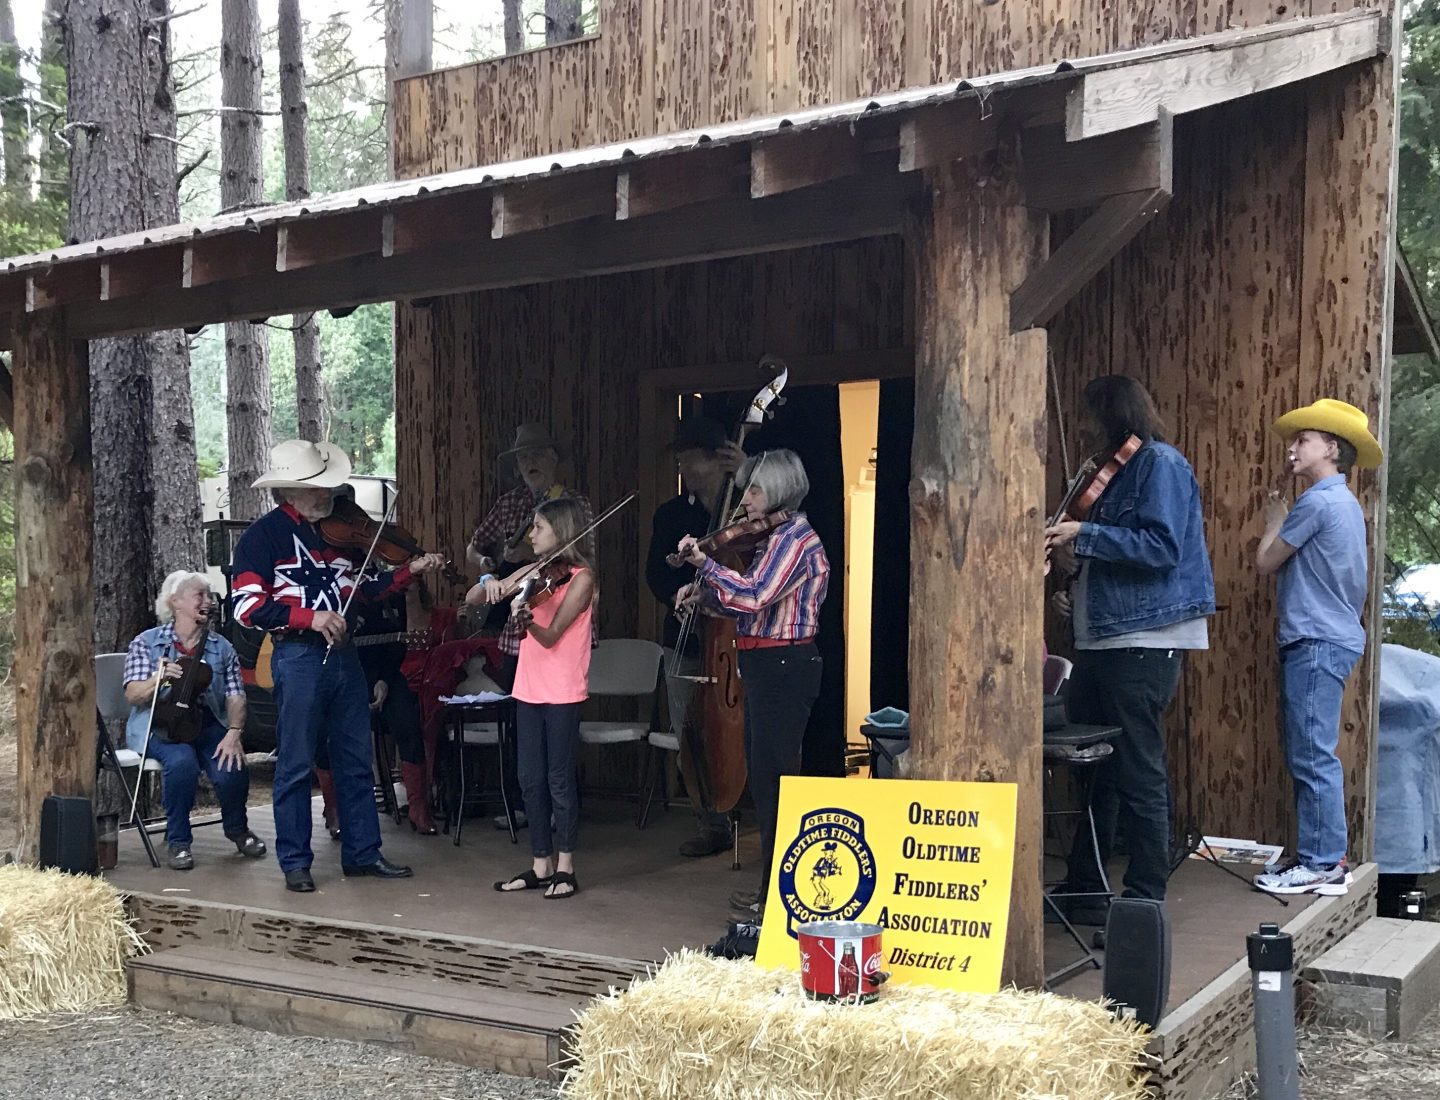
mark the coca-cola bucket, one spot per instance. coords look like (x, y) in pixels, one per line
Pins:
(840, 961)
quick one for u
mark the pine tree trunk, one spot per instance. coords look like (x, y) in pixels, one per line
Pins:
(54, 158)
(247, 363)
(174, 470)
(562, 21)
(103, 44)
(514, 30)
(14, 115)
(294, 117)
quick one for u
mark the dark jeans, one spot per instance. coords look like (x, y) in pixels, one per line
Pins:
(781, 685)
(509, 765)
(1129, 688)
(400, 716)
(323, 702)
(548, 736)
(181, 766)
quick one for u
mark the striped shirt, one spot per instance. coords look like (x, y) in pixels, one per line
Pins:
(779, 598)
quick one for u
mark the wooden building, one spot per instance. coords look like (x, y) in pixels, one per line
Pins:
(953, 196)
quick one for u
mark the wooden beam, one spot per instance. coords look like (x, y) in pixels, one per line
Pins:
(7, 398)
(540, 204)
(62, 285)
(822, 369)
(54, 595)
(129, 274)
(229, 256)
(951, 132)
(1061, 175)
(975, 521)
(1081, 256)
(435, 220)
(414, 30)
(327, 239)
(791, 161)
(869, 205)
(1134, 94)
(13, 292)
(669, 183)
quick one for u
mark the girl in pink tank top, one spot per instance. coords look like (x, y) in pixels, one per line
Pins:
(550, 689)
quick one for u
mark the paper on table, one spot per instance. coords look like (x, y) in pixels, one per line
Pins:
(479, 699)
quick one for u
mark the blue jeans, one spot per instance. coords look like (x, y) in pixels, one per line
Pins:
(323, 702)
(1312, 682)
(548, 739)
(180, 772)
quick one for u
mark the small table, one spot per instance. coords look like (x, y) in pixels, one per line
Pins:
(455, 715)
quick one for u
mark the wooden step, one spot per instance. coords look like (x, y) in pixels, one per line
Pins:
(514, 1032)
(1383, 978)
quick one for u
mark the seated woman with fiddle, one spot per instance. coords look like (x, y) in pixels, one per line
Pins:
(187, 710)
(776, 604)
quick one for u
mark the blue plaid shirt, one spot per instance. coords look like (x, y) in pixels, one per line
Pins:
(141, 660)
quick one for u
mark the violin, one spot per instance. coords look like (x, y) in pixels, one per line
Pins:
(349, 527)
(738, 538)
(1093, 478)
(537, 572)
(181, 713)
(540, 585)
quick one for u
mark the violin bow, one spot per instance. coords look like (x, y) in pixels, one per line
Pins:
(364, 565)
(145, 745)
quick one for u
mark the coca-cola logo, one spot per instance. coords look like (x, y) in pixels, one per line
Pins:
(872, 965)
(805, 962)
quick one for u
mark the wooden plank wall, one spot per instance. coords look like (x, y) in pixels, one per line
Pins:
(662, 65)
(570, 354)
(1263, 285)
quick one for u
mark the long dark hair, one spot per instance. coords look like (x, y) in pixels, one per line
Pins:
(1124, 407)
(568, 519)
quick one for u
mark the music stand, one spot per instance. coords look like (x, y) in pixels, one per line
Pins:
(1194, 844)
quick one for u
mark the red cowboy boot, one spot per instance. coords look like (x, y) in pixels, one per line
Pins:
(417, 792)
(327, 793)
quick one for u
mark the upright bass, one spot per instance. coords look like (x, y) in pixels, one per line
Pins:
(717, 706)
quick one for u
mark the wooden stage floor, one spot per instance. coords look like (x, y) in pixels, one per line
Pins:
(639, 899)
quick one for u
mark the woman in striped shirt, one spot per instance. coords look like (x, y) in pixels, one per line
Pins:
(776, 605)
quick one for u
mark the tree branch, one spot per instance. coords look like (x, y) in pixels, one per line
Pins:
(194, 164)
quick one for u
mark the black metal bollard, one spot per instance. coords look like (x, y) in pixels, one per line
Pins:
(1272, 956)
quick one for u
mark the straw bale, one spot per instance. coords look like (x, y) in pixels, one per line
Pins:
(64, 940)
(720, 1030)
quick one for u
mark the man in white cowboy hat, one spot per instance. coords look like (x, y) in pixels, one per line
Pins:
(289, 581)
(501, 544)
(1318, 550)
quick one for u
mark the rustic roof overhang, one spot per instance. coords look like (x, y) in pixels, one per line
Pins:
(1414, 332)
(1096, 133)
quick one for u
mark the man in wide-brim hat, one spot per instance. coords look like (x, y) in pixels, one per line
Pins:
(291, 582)
(501, 544)
(1318, 551)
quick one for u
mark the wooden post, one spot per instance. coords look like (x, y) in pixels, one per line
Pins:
(977, 594)
(54, 594)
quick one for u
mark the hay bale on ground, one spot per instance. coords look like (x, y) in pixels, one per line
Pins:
(64, 940)
(704, 1027)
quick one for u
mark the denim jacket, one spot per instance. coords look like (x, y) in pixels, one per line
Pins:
(1145, 539)
(218, 655)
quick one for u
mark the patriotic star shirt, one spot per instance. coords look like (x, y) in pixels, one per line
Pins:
(285, 572)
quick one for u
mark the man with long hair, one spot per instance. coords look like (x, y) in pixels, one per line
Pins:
(1143, 590)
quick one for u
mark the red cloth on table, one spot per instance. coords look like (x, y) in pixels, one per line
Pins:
(438, 670)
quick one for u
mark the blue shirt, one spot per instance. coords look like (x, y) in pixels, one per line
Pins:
(143, 657)
(1321, 590)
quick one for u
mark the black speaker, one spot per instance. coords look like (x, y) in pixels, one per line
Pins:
(1137, 958)
(67, 834)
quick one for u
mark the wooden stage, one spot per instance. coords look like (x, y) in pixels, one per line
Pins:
(442, 964)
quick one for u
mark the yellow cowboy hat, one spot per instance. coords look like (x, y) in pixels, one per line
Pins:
(1339, 419)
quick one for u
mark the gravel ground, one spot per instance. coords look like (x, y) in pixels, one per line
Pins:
(1343, 1065)
(124, 1053)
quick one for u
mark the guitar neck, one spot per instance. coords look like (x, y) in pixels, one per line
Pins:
(406, 636)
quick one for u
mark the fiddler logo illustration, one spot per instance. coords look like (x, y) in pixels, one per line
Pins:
(828, 871)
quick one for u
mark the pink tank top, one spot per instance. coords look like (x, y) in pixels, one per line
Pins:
(561, 673)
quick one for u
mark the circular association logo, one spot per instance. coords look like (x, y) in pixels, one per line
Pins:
(828, 871)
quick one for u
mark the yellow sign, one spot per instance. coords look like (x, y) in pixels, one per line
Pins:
(929, 862)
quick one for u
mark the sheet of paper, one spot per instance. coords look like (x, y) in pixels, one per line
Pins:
(480, 699)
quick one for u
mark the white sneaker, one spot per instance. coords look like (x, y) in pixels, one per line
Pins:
(1299, 879)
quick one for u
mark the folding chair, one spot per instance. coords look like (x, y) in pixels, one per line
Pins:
(626, 667)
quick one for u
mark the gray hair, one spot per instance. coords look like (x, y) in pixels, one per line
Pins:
(170, 586)
(780, 475)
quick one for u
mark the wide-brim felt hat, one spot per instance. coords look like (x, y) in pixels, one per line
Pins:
(532, 437)
(695, 433)
(1338, 419)
(301, 464)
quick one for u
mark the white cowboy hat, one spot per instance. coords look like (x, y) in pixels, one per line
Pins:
(300, 464)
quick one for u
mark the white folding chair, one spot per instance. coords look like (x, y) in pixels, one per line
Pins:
(620, 668)
(114, 711)
(1057, 672)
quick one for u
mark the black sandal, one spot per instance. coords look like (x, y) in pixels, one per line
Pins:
(528, 877)
(562, 878)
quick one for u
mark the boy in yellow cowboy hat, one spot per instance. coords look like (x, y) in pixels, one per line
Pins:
(1318, 550)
